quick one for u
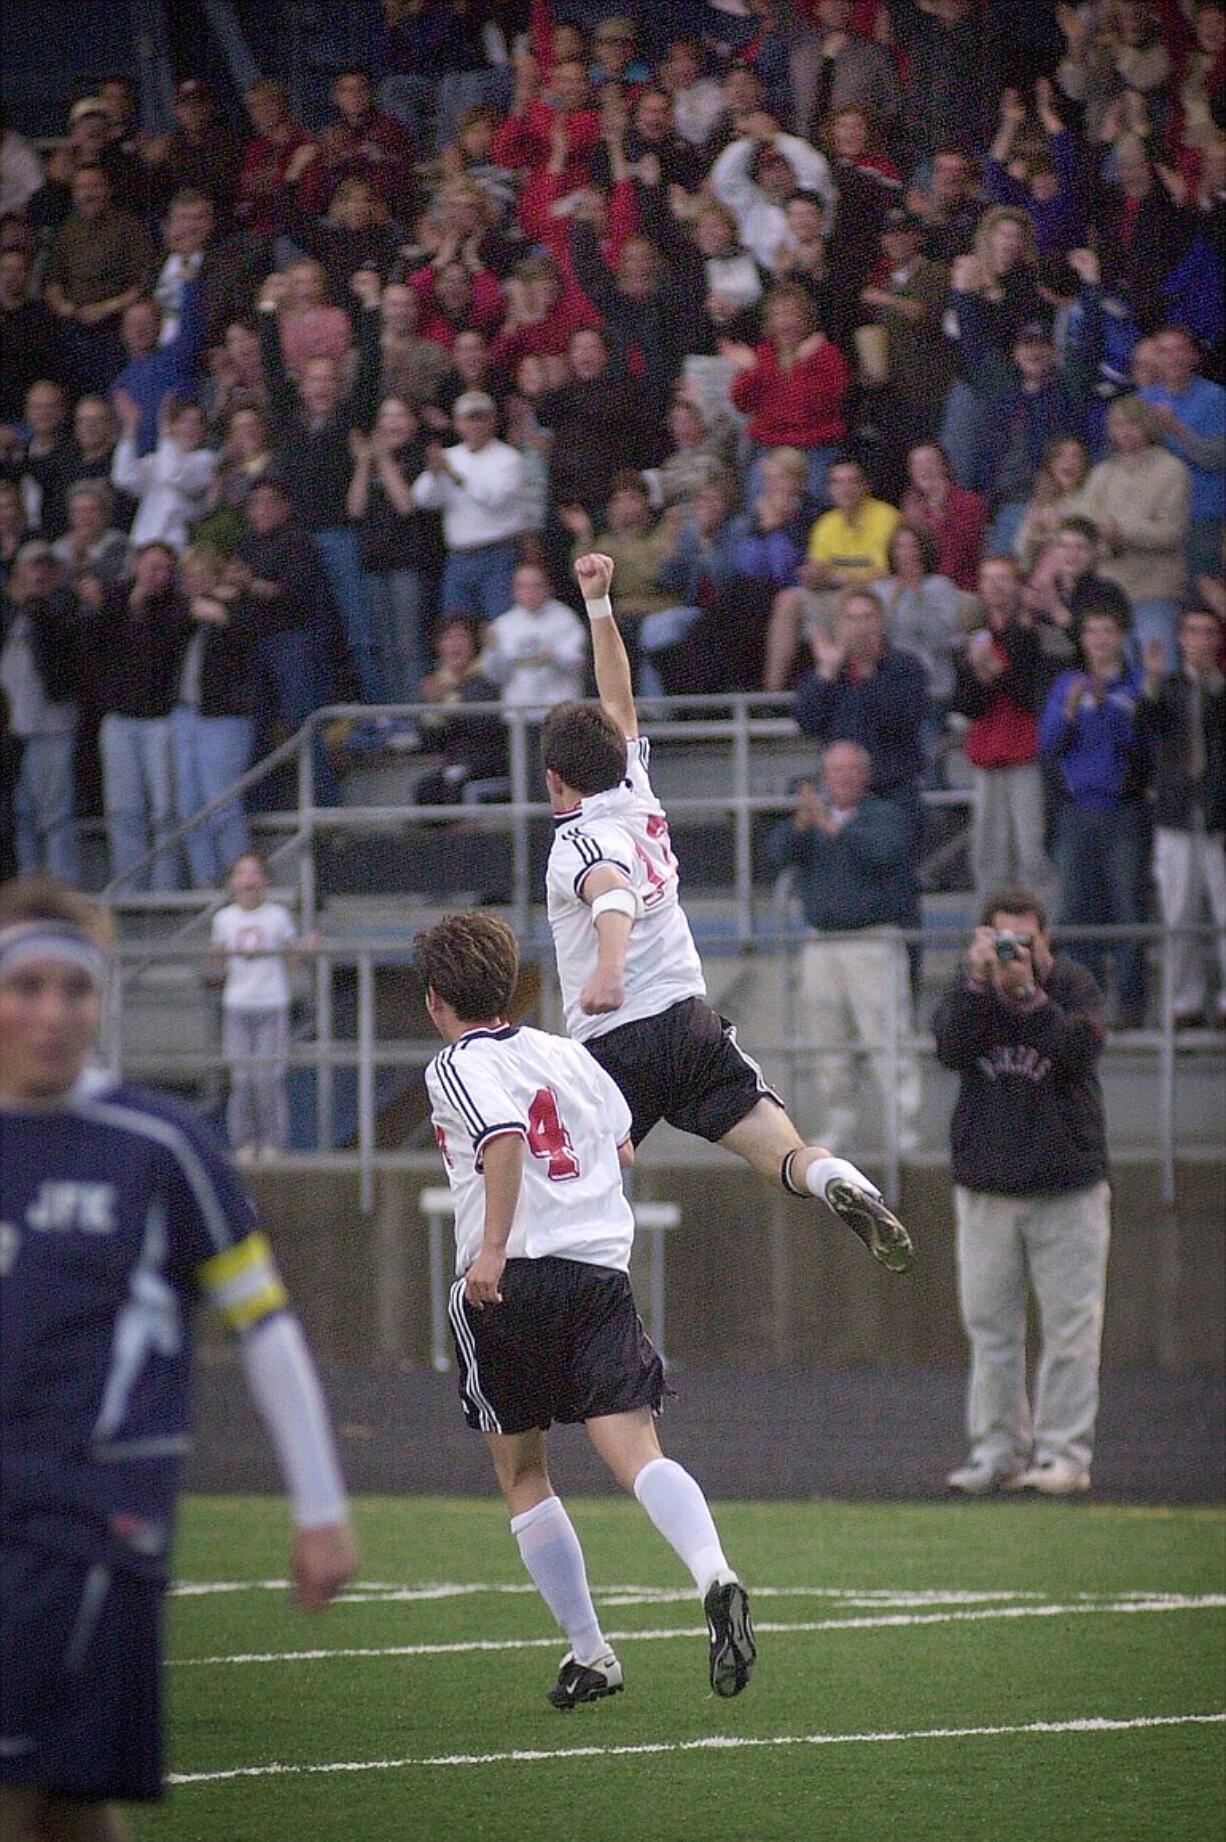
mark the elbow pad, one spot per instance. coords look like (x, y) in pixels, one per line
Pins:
(617, 902)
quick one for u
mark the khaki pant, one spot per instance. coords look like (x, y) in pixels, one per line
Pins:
(856, 992)
(1007, 834)
(1059, 1245)
(1190, 866)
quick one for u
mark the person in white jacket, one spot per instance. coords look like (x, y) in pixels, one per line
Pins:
(756, 175)
(478, 486)
(537, 650)
(171, 484)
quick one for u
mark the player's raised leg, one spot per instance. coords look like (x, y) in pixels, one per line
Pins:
(767, 1140)
(550, 1550)
(674, 1501)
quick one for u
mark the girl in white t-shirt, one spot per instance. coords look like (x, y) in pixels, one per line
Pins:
(253, 935)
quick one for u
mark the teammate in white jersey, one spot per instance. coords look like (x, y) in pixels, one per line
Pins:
(534, 1134)
(632, 983)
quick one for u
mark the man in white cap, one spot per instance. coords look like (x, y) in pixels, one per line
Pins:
(478, 485)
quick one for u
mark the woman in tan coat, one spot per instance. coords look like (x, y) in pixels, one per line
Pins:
(1139, 499)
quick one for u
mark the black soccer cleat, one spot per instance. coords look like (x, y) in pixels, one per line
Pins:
(585, 1681)
(866, 1215)
(733, 1651)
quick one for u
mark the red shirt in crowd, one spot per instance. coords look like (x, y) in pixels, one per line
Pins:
(797, 407)
(959, 531)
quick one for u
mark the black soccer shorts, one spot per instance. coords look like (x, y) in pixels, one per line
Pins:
(684, 1066)
(566, 1344)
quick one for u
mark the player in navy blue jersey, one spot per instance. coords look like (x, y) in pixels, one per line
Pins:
(118, 1212)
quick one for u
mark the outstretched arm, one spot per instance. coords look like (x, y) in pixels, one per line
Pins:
(614, 683)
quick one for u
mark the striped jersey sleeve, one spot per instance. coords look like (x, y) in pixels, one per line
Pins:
(469, 1100)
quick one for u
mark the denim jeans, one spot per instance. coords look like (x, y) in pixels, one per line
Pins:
(1156, 620)
(398, 607)
(1102, 856)
(342, 560)
(43, 808)
(478, 582)
(964, 434)
(211, 753)
(138, 793)
(289, 659)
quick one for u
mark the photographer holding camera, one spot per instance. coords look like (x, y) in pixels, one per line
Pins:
(1024, 1030)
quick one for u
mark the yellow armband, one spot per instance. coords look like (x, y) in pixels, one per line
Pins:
(242, 1283)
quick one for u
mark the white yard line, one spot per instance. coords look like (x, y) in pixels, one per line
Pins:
(888, 1620)
(1097, 1724)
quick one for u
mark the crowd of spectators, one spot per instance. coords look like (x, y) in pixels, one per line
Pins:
(878, 341)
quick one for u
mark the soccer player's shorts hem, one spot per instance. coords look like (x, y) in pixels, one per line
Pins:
(80, 1678)
(566, 1344)
(686, 1066)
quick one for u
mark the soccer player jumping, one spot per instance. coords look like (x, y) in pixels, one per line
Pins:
(534, 1135)
(632, 983)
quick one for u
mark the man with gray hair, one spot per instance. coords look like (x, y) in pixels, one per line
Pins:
(853, 854)
(91, 543)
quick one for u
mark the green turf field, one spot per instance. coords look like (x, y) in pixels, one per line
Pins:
(908, 1659)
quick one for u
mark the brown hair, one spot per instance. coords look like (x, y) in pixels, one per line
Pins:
(40, 897)
(471, 961)
(584, 747)
(1013, 899)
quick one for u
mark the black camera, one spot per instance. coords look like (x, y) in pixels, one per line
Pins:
(1010, 946)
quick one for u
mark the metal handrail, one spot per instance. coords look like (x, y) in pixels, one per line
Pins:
(365, 1053)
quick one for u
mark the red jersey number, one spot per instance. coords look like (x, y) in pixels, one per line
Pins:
(549, 1139)
(659, 863)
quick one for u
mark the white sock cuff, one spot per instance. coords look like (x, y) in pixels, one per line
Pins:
(654, 1464)
(823, 1171)
(537, 1513)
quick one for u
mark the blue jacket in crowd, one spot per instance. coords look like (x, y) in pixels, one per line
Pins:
(169, 368)
(882, 712)
(1098, 752)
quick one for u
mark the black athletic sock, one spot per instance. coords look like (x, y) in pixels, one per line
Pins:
(785, 1177)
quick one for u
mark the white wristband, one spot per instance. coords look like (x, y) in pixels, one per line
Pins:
(617, 902)
(600, 609)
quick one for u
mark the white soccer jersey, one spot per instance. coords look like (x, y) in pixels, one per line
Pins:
(572, 1119)
(256, 978)
(627, 827)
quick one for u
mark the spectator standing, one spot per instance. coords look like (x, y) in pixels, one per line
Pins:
(253, 935)
(905, 294)
(29, 343)
(639, 544)
(854, 858)
(998, 687)
(792, 386)
(281, 156)
(91, 545)
(21, 172)
(947, 100)
(366, 144)
(757, 174)
(597, 421)
(994, 293)
(133, 637)
(1088, 729)
(202, 153)
(410, 367)
(833, 66)
(157, 368)
(39, 682)
(47, 467)
(537, 650)
(1183, 715)
(171, 485)
(1191, 412)
(212, 725)
(1140, 498)
(402, 549)
(1023, 1031)
(476, 484)
(949, 206)
(956, 517)
(312, 424)
(848, 545)
(921, 608)
(101, 261)
(864, 690)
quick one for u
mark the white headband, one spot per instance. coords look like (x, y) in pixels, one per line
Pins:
(47, 939)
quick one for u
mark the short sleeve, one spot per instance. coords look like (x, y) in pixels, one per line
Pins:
(638, 766)
(579, 849)
(474, 1096)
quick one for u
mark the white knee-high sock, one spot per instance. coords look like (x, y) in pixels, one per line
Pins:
(679, 1510)
(552, 1555)
(822, 1170)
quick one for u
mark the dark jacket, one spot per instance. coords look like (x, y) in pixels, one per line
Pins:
(1163, 721)
(860, 877)
(598, 427)
(883, 713)
(230, 679)
(316, 463)
(54, 641)
(393, 540)
(137, 653)
(1028, 1120)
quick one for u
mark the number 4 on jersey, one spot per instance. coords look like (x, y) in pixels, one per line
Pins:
(548, 1137)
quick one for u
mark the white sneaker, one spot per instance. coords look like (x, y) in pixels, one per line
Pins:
(1058, 1477)
(980, 1480)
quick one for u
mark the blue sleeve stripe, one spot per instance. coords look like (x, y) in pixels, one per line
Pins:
(146, 1125)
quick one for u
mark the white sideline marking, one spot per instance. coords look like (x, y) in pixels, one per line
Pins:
(378, 1592)
(891, 1620)
(712, 1743)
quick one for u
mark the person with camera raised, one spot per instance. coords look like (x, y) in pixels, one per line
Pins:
(1023, 1028)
